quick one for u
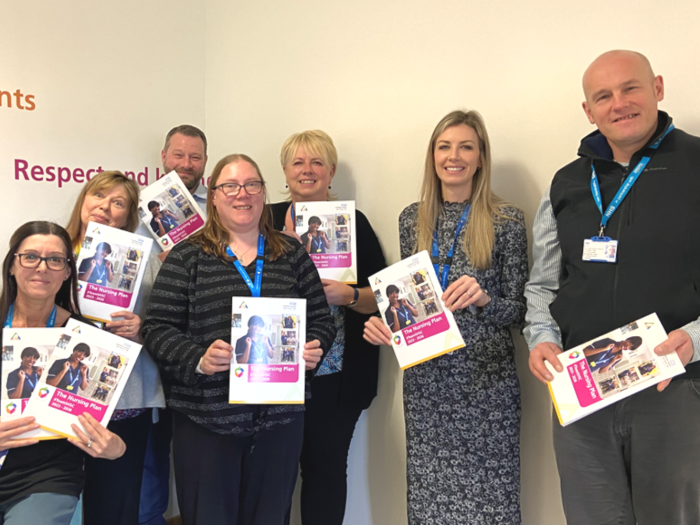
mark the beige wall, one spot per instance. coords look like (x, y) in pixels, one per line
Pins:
(110, 79)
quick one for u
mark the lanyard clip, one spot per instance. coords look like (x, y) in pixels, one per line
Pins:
(601, 233)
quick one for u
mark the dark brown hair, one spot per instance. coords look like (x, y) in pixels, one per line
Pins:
(67, 296)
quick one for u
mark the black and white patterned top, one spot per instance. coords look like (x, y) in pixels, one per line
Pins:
(462, 409)
(190, 308)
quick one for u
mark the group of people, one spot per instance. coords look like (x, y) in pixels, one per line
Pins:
(239, 463)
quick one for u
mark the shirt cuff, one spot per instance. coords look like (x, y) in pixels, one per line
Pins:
(545, 337)
(199, 367)
(693, 330)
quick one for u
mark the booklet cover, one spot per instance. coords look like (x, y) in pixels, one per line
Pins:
(327, 231)
(110, 269)
(268, 337)
(86, 372)
(25, 356)
(169, 212)
(408, 296)
(610, 368)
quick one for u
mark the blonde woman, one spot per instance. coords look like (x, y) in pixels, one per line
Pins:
(346, 381)
(462, 409)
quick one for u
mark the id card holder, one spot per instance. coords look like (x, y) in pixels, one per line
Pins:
(600, 249)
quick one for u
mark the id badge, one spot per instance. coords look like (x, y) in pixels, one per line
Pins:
(600, 249)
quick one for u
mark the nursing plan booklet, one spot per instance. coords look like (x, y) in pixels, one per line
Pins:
(86, 372)
(268, 337)
(25, 355)
(169, 212)
(408, 296)
(327, 230)
(110, 269)
(610, 368)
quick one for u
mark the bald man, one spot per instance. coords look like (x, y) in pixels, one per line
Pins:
(636, 185)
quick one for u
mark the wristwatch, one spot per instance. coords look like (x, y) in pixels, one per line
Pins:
(355, 297)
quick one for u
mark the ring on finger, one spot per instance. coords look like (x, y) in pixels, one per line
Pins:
(89, 443)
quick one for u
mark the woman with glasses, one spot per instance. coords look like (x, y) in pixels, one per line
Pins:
(462, 409)
(346, 382)
(40, 481)
(111, 198)
(234, 464)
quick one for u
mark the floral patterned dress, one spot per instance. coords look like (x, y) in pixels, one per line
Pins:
(462, 409)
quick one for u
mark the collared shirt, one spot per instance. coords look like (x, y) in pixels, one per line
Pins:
(543, 285)
(200, 197)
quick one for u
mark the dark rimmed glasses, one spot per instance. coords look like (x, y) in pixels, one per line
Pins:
(231, 189)
(32, 260)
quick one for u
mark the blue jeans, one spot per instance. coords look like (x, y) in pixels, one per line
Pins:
(46, 508)
(155, 483)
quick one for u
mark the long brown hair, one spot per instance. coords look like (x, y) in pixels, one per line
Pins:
(104, 181)
(214, 237)
(67, 295)
(484, 212)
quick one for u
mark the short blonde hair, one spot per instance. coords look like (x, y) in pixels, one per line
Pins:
(316, 142)
(105, 181)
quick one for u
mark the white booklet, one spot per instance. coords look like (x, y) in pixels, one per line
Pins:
(87, 372)
(328, 232)
(110, 269)
(408, 295)
(25, 355)
(610, 368)
(169, 211)
(268, 337)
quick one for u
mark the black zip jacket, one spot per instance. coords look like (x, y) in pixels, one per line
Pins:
(658, 230)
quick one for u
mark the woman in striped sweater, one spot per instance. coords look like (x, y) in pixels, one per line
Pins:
(234, 464)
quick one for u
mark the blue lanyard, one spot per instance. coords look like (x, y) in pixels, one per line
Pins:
(36, 378)
(254, 288)
(101, 276)
(316, 242)
(11, 311)
(624, 189)
(403, 313)
(72, 378)
(448, 260)
(294, 217)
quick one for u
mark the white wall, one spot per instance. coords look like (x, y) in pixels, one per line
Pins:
(110, 79)
(378, 76)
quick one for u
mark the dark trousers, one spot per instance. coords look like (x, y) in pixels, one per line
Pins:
(634, 462)
(230, 480)
(113, 488)
(328, 430)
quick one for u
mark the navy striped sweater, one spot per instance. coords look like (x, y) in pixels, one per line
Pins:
(190, 308)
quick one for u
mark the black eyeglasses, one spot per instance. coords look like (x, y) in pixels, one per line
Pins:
(32, 260)
(231, 189)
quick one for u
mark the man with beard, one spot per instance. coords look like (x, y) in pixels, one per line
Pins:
(185, 152)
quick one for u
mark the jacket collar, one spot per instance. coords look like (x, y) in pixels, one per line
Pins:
(596, 147)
